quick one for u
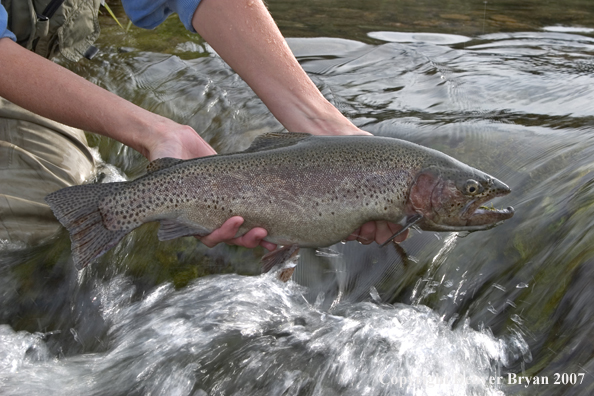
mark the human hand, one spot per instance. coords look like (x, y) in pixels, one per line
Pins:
(226, 233)
(178, 141)
(181, 141)
(378, 231)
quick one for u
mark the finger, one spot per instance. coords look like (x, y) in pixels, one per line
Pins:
(367, 233)
(394, 228)
(382, 232)
(252, 238)
(225, 233)
(268, 245)
(354, 235)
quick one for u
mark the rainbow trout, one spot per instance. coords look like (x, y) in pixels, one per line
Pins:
(307, 191)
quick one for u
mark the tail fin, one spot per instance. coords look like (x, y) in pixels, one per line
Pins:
(77, 209)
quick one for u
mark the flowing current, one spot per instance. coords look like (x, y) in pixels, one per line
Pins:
(440, 314)
(230, 334)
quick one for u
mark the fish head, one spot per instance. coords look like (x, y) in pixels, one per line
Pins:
(454, 199)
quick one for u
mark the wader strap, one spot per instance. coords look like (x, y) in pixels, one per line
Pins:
(49, 27)
(51, 8)
(43, 19)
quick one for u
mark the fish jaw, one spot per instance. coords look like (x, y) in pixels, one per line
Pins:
(446, 206)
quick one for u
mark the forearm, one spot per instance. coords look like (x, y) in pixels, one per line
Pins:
(244, 34)
(52, 91)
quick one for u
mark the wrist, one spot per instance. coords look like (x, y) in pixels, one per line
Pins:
(166, 138)
(134, 127)
(151, 133)
(154, 136)
(325, 119)
(316, 116)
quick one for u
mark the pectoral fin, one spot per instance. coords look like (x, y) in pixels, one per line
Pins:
(410, 221)
(278, 256)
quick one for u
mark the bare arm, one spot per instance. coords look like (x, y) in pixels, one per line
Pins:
(244, 34)
(52, 91)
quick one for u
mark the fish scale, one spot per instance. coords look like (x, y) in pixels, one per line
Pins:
(304, 190)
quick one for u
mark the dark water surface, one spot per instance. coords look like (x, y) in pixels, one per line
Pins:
(505, 87)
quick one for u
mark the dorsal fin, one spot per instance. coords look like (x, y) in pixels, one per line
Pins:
(273, 140)
(161, 163)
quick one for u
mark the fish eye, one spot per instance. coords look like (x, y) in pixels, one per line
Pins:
(471, 187)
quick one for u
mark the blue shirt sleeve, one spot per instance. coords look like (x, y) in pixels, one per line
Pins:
(4, 32)
(150, 13)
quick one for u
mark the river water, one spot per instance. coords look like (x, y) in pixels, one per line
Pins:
(506, 88)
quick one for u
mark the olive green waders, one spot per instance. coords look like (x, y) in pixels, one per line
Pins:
(37, 156)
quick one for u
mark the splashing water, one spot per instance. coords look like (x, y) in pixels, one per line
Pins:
(254, 335)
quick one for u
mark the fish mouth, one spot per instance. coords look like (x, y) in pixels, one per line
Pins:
(485, 217)
(474, 217)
